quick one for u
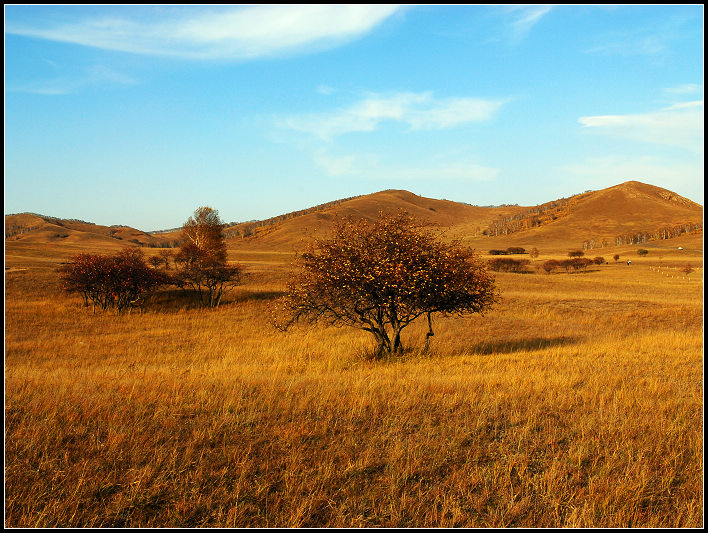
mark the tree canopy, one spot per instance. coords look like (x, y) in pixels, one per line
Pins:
(201, 260)
(381, 276)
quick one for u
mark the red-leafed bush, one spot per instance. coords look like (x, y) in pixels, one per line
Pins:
(120, 281)
(550, 265)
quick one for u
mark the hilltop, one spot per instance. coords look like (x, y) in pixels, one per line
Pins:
(609, 215)
(627, 213)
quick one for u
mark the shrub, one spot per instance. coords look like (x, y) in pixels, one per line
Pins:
(507, 264)
(576, 263)
(120, 281)
(550, 265)
(599, 260)
(642, 252)
(516, 250)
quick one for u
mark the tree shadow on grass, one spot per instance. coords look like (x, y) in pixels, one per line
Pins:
(173, 300)
(413, 352)
(251, 296)
(518, 345)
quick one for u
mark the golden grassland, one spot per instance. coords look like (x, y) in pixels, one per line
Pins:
(577, 401)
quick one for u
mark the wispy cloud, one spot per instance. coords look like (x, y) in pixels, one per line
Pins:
(686, 88)
(214, 33)
(96, 75)
(523, 18)
(677, 125)
(654, 40)
(370, 167)
(420, 111)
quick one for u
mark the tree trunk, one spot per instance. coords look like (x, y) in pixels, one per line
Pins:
(384, 343)
(430, 333)
(397, 344)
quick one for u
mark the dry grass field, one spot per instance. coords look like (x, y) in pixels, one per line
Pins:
(577, 402)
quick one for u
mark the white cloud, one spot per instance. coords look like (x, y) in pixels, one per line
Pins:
(91, 76)
(335, 166)
(216, 33)
(370, 167)
(325, 90)
(686, 88)
(525, 18)
(678, 125)
(420, 111)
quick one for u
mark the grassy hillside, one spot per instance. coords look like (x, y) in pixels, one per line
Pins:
(559, 225)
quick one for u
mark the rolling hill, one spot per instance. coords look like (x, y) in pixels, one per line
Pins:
(628, 213)
(609, 215)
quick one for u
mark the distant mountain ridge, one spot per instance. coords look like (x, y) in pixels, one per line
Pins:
(622, 214)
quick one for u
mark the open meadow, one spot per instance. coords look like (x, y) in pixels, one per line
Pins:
(577, 401)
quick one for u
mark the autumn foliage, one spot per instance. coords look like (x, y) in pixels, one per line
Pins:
(115, 282)
(507, 264)
(201, 260)
(381, 276)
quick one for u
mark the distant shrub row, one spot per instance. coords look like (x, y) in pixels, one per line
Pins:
(507, 264)
(510, 250)
(575, 263)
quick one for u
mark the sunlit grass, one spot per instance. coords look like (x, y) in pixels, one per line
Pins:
(577, 402)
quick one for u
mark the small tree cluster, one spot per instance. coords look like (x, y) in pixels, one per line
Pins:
(205, 274)
(507, 264)
(120, 281)
(381, 276)
(575, 263)
(599, 260)
(576, 253)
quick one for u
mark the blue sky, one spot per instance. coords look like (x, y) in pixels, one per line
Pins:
(138, 115)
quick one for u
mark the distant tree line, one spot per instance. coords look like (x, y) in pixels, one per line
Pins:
(531, 218)
(510, 250)
(246, 229)
(13, 230)
(642, 237)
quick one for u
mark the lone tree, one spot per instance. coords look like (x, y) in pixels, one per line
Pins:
(201, 260)
(381, 276)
